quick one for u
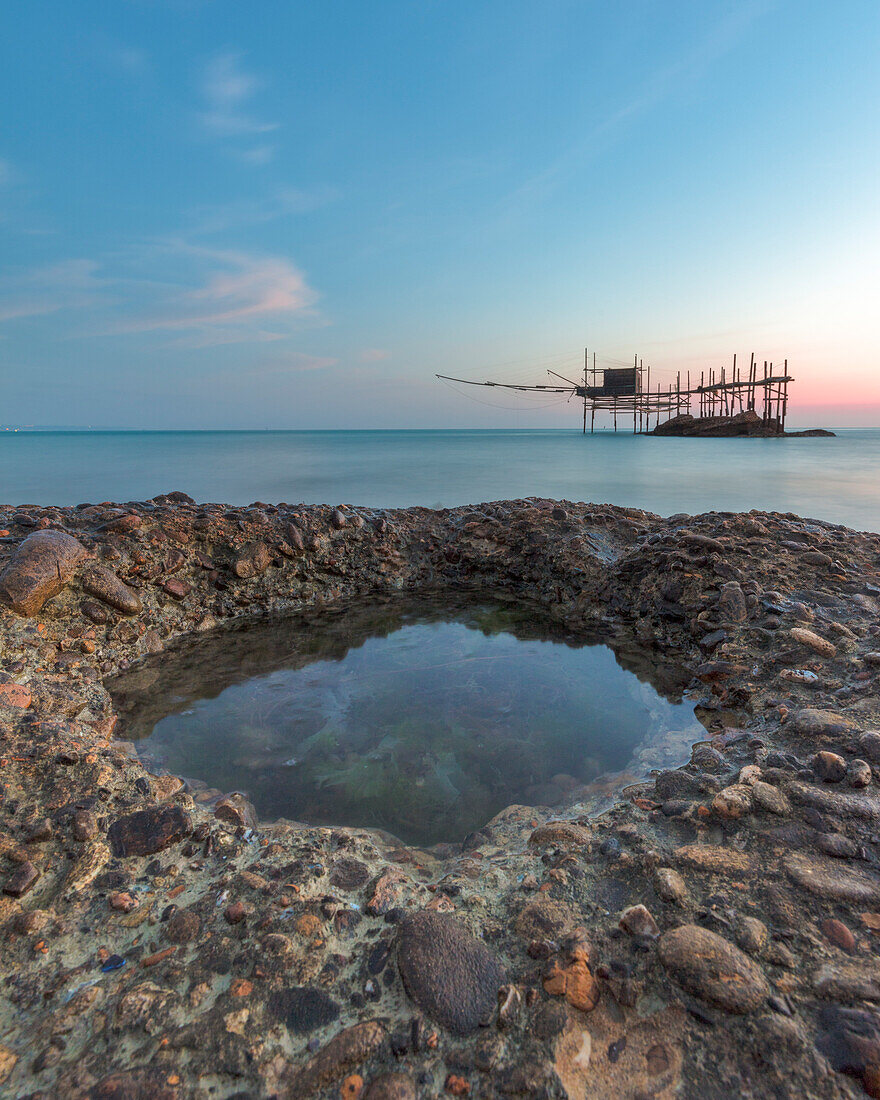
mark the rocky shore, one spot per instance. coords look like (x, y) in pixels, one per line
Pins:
(715, 934)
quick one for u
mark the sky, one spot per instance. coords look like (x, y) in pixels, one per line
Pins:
(291, 214)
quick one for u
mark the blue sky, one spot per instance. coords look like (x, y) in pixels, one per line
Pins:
(291, 214)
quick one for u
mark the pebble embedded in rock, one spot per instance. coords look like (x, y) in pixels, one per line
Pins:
(348, 874)
(829, 767)
(638, 921)
(711, 968)
(669, 885)
(252, 561)
(22, 879)
(237, 810)
(344, 1052)
(103, 583)
(850, 1040)
(813, 641)
(235, 913)
(148, 831)
(451, 975)
(302, 1008)
(859, 774)
(392, 1086)
(836, 932)
(565, 834)
(869, 743)
(41, 566)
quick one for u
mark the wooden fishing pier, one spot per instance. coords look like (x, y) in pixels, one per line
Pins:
(627, 395)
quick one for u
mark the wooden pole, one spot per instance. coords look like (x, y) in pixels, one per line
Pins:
(586, 360)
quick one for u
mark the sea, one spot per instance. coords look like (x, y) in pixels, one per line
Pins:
(834, 479)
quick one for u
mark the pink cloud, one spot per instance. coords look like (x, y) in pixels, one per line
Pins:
(235, 304)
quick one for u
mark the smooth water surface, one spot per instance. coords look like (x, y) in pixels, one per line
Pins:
(835, 479)
(424, 723)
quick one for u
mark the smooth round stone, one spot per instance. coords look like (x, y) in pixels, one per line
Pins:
(451, 975)
(711, 968)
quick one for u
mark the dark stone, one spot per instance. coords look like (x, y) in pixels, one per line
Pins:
(850, 1040)
(148, 831)
(21, 880)
(451, 975)
(732, 603)
(136, 1084)
(302, 1009)
(182, 926)
(42, 565)
(348, 874)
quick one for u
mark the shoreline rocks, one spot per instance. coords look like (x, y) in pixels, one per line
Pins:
(714, 926)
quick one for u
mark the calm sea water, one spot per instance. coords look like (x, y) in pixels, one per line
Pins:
(833, 479)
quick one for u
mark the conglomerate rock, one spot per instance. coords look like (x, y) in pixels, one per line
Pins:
(710, 934)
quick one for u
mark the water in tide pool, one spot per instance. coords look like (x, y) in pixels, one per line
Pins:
(421, 720)
(835, 479)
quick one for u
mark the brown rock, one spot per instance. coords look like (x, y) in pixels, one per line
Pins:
(253, 559)
(731, 605)
(829, 767)
(850, 1040)
(103, 583)
(836, 932)
(669, 885)
(451, 976)
(235, 912)
(182, 926)
(859, 774)
(813, 641)
(15, 695)
(236, 809)
(715, 859)
(22, 879)
(570, 976)
(392, 1086)
(387, 892)
(825, 878)
(345, 1052)
(348, 874)
(638, 921)
(564, 834)
(42, 565)
(711, 968)
(176, 588)
(85, 826)
(821, 723)
(733, 802)
(148, 831)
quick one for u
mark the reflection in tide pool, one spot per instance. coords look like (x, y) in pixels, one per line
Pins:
(424, 722)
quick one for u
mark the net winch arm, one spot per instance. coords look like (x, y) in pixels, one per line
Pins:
(506, 385)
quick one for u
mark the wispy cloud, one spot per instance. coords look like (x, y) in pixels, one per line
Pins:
(374, 355)
(241, 297)
(226, 91)
(686, 70)
(285, 202)
(69, 284)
